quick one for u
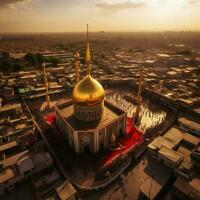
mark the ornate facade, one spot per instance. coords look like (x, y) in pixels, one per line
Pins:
(90, 113)
(90, 136)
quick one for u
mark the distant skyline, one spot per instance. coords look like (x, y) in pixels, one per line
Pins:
(102, 15)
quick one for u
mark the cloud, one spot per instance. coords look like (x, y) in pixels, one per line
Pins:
(9, 2)
(115, 7)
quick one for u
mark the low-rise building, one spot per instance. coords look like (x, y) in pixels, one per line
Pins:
(187, 190)
(15, 168)
(190, 126)
(13, 109)
(64, 191)
(175, 149)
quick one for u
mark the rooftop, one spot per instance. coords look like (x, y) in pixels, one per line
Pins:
(195, 183)
(160, 142)
(171, 155)
(10, 107)
(189, 123)
(8, 146)
(157, 178)
(193, 140)
(13, 159)
(189, 188)
(6, 174)
(110, 114)
(65, 190)
(174, 135)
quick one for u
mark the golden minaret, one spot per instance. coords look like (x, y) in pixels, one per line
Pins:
(139, 98)
(140, 86)
(46, 86)
(77, 66)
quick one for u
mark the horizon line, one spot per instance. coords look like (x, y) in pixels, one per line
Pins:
(100, 31)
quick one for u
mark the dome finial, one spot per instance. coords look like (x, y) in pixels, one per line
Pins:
(88, 57)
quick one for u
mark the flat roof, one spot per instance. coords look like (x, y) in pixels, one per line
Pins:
(13, 159)
(160, 142)
(191, 139)
(171, 155)
(65, 190)
(10, 107)
(189, 188)
(6, 174)
(195, 183)
(186, 152)
(174, 135)
(151, 188)
(8, 146)
(197, 110)
(186, 163)
(108, 116)
(189, 123)
(158, 177)
(187, 101)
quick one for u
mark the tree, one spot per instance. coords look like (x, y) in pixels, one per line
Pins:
(17, 66)
(5, 66)
(5, 55)
(39, 58)
(54, 61)
(31, 58)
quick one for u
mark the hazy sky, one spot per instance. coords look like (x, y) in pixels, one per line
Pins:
(107, 15)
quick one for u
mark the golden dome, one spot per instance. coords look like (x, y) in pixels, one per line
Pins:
(88, 91)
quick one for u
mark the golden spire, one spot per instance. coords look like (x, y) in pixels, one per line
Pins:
(46, 86)
(77, 66)
(139, 98)
(88, 57)
(140, 86)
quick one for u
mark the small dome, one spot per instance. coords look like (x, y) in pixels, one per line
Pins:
(88, 91)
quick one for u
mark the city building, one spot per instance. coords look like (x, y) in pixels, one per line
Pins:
(64, 191)
(19, 166)
(187, 190)
(190, 126)
(175, 149)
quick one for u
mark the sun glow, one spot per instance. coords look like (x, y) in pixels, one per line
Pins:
(165, 7)
(167, 14)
